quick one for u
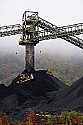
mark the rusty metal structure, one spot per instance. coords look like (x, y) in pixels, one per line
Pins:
(35, 29)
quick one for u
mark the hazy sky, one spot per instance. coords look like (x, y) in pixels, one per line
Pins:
(58, 12)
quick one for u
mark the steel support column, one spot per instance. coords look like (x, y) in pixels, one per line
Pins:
(29, 56)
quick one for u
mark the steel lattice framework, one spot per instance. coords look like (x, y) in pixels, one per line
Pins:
(35, 29)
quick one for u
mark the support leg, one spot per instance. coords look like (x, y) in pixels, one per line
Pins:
(29, 56)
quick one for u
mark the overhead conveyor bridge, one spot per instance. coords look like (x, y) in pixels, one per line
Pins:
(10, 30)
(35, 29)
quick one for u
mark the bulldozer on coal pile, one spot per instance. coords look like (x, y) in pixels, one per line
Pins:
(24, 77)
(49, 72)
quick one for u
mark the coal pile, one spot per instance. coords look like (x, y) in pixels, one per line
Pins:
(69, 99)
(44, 93)
(28, 94)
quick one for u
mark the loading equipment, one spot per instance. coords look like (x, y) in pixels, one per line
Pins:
(35, 29)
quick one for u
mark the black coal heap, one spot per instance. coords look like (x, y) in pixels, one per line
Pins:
(44, 93)
(71, 98)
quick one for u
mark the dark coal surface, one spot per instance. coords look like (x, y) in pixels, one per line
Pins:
(44, 93)
(71, 98)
